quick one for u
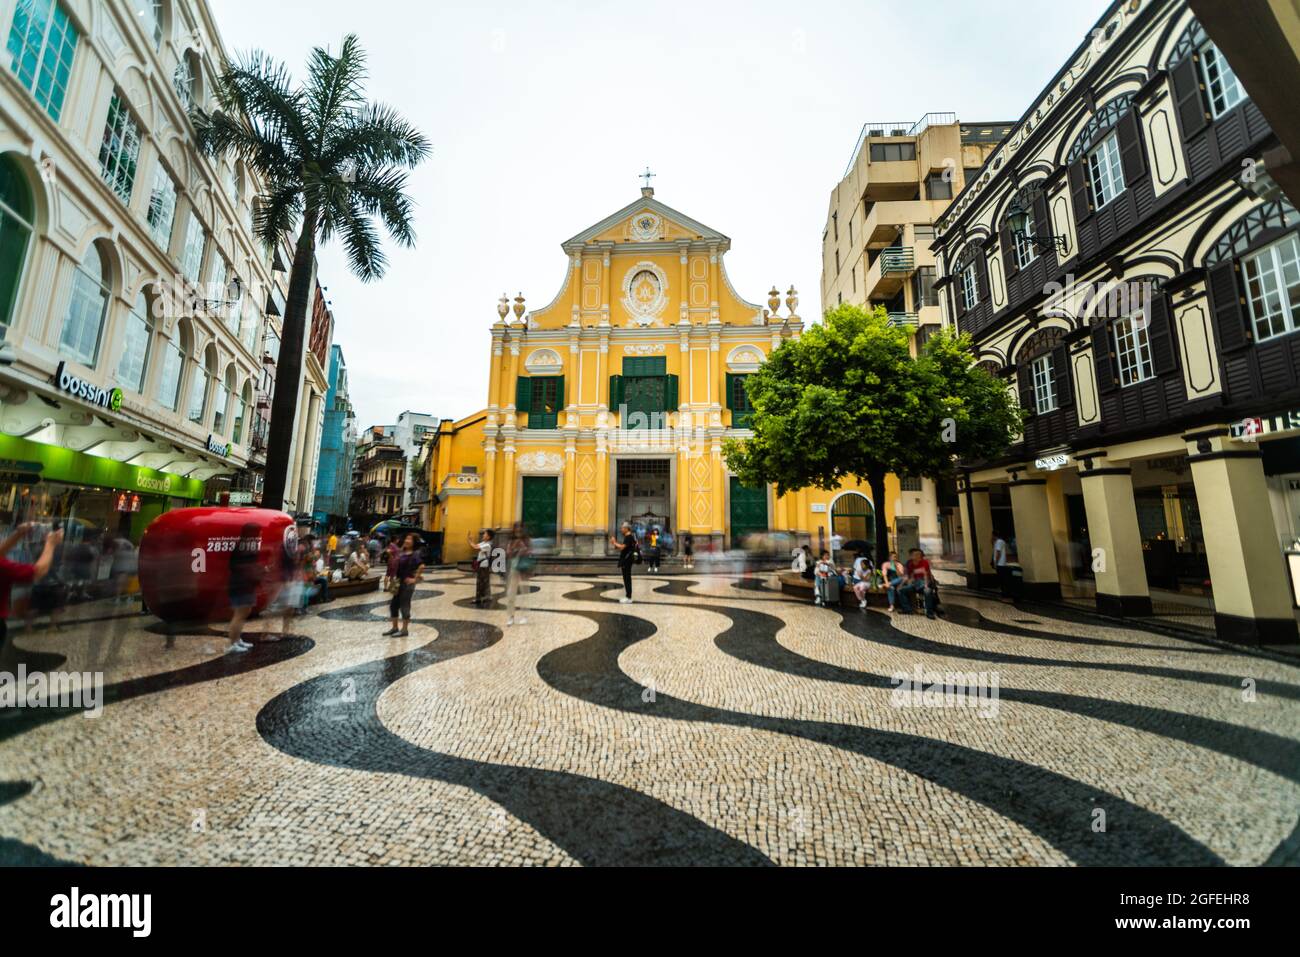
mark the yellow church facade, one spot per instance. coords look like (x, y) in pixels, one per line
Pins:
(612, 403)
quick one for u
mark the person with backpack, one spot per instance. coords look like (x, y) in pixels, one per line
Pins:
(629, 554)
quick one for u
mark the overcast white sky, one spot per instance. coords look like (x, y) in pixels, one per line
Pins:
(543, 113)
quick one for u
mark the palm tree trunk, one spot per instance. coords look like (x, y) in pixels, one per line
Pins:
(288, 370)
(876, 481)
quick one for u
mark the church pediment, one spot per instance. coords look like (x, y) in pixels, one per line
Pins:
(646, 221)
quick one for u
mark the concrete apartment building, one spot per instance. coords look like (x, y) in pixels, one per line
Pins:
(876, 252)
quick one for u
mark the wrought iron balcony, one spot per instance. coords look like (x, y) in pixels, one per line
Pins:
(902, 319)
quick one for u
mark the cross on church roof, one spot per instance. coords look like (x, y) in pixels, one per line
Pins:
(647, 176)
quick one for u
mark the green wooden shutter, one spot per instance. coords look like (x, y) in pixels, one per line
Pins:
(523, 394)
(559, 392)
(670, 394)
(615, 392)
(731, 391)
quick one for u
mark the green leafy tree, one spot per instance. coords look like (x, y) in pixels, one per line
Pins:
(331, 165)
(848, 400)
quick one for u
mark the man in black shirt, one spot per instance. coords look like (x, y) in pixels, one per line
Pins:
(626, 557)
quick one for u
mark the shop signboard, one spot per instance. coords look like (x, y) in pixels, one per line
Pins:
(58, 464)
(78, 388)
(17, 472)
(1051, 463)
(1253, 428)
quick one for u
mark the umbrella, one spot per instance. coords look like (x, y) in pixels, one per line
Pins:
(856, 545)
(387, 525)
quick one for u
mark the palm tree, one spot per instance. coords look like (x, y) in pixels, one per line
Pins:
(330, 164)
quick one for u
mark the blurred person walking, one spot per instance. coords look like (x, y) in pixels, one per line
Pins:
(18, 573)
(244, 575)
(520, 563)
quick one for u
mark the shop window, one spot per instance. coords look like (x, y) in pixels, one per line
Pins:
(137, 336)
(42, 44)
(1105, 175)
(1133, 351)
(1273, 288)
(15, 235)
(87, 310)
(119, 153)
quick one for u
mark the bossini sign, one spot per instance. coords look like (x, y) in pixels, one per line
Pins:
(218, 446)
(110, 399)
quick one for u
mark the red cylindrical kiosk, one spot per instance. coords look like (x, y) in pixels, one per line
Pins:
(185, 559)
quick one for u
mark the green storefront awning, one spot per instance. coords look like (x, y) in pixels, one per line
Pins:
(78, 468)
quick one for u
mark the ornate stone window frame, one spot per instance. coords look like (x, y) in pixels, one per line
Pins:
(645, 315)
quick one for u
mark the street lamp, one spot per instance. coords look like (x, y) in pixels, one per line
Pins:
(1018, 221)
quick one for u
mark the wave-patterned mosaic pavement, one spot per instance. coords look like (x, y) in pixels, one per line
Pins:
(711, 722)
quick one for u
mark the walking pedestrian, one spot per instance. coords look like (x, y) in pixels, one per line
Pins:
(629, 553)
(1000, 565)
(18, 573)
(519, 568)
(407, 572)
(652, 551)
(244, 575)
(482, 567)
(688, 549)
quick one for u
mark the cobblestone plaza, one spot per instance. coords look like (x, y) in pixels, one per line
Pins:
(714, 721)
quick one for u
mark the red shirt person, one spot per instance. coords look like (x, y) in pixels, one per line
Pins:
(920, 578)
(21, 573)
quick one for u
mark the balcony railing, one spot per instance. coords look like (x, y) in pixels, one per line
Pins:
(897, 260)
(902, 319)
(897, 128)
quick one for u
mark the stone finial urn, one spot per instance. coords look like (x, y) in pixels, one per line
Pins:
(792, 301)
(503, 307)
(774, 300)
(519, 306)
